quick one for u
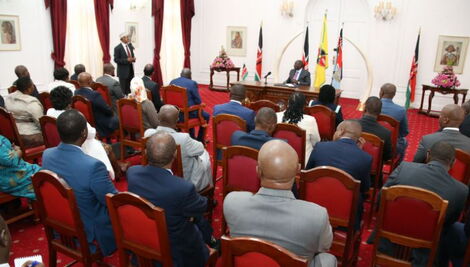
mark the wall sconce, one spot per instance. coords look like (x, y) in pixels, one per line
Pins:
(385, 11)
(138, 4)
(287, 8)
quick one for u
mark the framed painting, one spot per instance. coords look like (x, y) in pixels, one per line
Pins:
(10, 33)
(132, 28)
(236, 41)
(451, 51)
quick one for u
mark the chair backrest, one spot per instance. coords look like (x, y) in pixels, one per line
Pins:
(130, 117)
(239, 169)
(374, 146)
(257, 105)
(49, 130)
(326, 120)
(75, 83)
(409, 217)
(83, 105)
(223, 126)
(45, 99)
(295, 136)
(149, 94)
(248, 251)
(139, 227)
(12, 89)
(104, 92)
(8, 127)
(393, 126)
(461, 168)
(175, 95)
(58, 211)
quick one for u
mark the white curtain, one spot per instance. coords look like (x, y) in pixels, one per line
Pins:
(82, 43)
(172, 51)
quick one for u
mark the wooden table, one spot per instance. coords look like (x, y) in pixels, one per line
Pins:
(443, 91)
(278, 93)
(223, 88)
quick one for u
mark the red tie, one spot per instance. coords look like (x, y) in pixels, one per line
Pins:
(128, 52)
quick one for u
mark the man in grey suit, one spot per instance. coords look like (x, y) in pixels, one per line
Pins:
(298, 75)
(112, 84)
(275, 215)
(450, 118)
(196, 160)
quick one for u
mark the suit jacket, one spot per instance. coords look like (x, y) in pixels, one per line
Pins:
(453, 137)
(90, 182)
(2, 102)
(180, 201)
(397, 112)
(114, 88)
(275, 215)
(104, 116)
(125, 69)
(74, 77)
(465, 126)
(234, 108)
(255, 139)
(155, 89)
(370, 125)
(304, 77)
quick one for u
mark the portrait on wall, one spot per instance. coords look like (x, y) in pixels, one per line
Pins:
(236, 41)
(132, 29)
(10, 33)
(451, 51)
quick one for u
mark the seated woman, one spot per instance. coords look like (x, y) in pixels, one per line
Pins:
(15, 173)
(26, 110)
(326, 98)
(149, 113)
(294, 114)
(61, 99)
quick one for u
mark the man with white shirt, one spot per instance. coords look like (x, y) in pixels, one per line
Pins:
(113, 85)
(61, 77)
(124, 58)
(450, 118)
(298, 75)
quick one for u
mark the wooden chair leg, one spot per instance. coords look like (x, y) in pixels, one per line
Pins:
(52, 257)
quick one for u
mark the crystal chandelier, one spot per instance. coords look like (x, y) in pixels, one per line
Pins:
(385, 11)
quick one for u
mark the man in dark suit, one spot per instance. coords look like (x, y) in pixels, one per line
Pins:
(2, 102)
(79, 68)
(265, 123)
(106, 121)
(434, 177)
(86, 175)
(184, 207)
(152, 86)
(22, 71)
(124, 58)
(113, 85)
(344, 153)
(298, 75)
(465, 126)
(450, 118)
(235, 107)
(372, 109)
(193, 99)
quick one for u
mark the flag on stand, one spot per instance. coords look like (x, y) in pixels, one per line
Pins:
(410, 90)
(244, 72)
(259, 55)
(338, 69)
(322, 57)
(305, 54)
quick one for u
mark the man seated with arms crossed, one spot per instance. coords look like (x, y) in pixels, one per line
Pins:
(196, 160)
(184, 207)
(275, 215)
(298, 75)
(265, 123)
(87, 177)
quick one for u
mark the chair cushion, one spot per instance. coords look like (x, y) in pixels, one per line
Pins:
(35, 150)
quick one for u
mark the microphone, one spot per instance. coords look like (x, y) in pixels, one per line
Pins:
(267, 74)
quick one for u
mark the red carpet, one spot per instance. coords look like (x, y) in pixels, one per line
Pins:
(29, 239)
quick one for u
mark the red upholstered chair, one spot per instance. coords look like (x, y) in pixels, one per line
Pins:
(223, 126)
(257, 105)
(295, 136)
(461, 168)
(75, 83)
(409, 217)
(9, 130)
(104, 92)
(249, 251)
(60, 216)
(84, 106)
(149, 94)
(175, 95)
(394, 127)
(45, 99)
(131, 125)
(49, 131)
(326, 120)
(12, 89)
(338, 192)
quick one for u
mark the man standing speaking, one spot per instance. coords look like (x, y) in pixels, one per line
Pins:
(124, 58)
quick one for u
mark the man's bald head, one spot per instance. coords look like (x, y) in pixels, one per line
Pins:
(238, 92)
(168, 116)
(266, 120)
(348, 128)
(452, 115)
(278, 164)
(388, 90)
(466, 107)
(161, 150)
(79, 68)
(148, 69)
(84, 79)
(373, 106)
(186, 73)
(21, 71)
(108, 68)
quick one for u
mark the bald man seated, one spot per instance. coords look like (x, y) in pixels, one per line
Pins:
(465, 126)
(275, 215)
(112, 83)
(21, 71)
(196, 160)
(450, 118)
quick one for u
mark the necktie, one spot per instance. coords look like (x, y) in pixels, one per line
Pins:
(127, 51)
(297, 74)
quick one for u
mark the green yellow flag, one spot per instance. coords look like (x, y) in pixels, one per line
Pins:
(322, 57)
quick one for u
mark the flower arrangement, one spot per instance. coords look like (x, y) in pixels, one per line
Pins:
(446, 79)
(222, 61)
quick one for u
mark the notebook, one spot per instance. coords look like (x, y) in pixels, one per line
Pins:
(20, 261)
